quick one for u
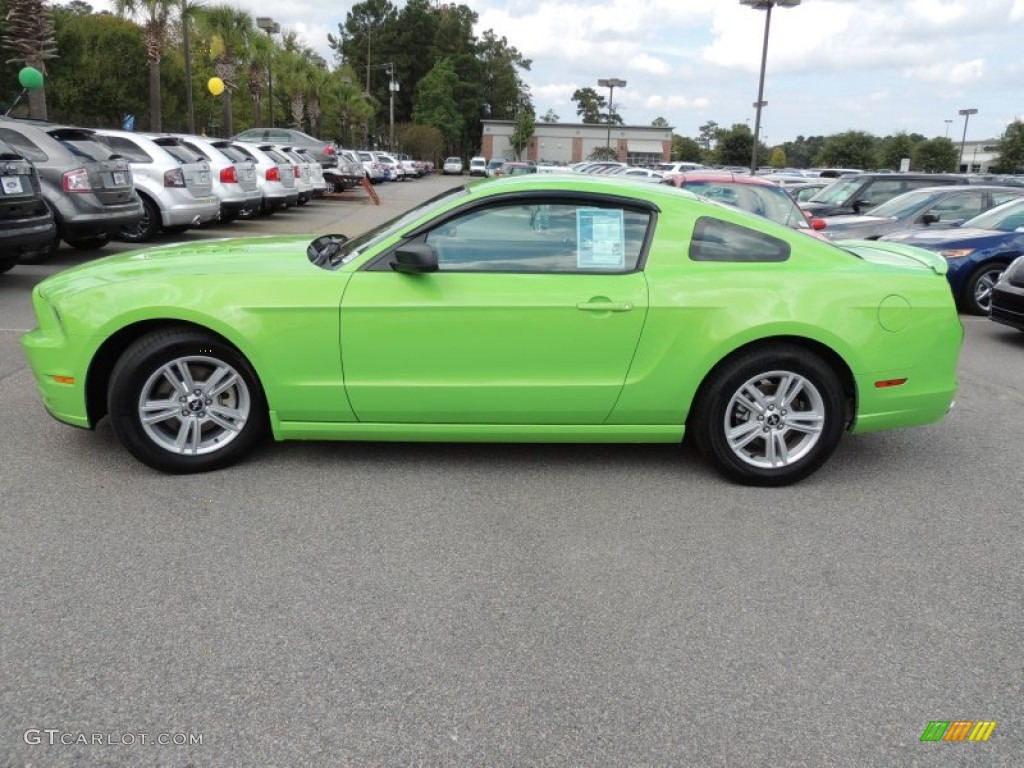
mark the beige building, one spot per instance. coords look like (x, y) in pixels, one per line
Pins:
(573, 142)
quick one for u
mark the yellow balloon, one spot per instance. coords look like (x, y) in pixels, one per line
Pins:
(216, 86)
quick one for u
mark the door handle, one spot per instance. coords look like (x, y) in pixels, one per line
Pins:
(604, 306)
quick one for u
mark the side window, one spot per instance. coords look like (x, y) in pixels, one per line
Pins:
(555, 237)
(960, 206)
(716, 240)
(23, 145)
(128, 149)
(883, 190)
(998, 198)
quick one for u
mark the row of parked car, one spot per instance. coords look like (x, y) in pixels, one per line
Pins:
(86, 186)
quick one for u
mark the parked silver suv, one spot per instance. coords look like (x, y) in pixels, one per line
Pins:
(232, 172)
(87, 186)
(172, 180)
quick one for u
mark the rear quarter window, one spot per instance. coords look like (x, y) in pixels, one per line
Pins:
(128, 149)
(23, 145)
(717, 240)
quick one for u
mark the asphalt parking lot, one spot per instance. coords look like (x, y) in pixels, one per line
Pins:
(444, 605)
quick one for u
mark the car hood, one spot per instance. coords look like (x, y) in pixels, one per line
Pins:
(943, 237)
(274, 255)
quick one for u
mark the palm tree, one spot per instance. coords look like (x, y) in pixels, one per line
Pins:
(186, 16)
(155, 16)
(261, 58)
(232, 30)
(30, 37)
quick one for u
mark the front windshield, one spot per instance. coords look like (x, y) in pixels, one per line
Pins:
(904, 206)
(1008, 217)
(838, 192)
(771, 202)
(357, 245)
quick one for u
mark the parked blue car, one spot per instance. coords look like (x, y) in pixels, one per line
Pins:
(977, 252)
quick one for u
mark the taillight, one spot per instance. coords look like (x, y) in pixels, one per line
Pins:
(273, 174)
(329, 149)
(174, 178)
(228, 175)
(296, 172)
(77, 181)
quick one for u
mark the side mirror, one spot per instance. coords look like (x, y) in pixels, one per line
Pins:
(324, 251)
(930, 218)
(818, 224)
(862, 203)
(414, 258)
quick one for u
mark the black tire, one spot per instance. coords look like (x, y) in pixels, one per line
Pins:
(977, 295)
(91, 243)
(222, 417)
(144, 229)
(177, 229)
(776, 422)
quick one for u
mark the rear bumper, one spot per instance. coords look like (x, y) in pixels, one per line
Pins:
(182, 212)
(26, 232)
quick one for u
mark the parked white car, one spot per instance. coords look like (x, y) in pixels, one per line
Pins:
(374, 170)
(174, 182)
(452, 165)
(303, 174)
(478, 166)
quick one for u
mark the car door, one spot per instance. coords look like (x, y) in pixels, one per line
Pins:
(532, 317)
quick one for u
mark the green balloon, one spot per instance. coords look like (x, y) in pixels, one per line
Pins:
(30, 78)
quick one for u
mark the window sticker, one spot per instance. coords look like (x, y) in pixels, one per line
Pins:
(600, 238)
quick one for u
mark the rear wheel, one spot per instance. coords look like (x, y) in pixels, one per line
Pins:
(182, 400)
(977, 298)
(770, 416)
(146, 227)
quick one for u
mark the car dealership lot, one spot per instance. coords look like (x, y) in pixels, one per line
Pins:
(404, 604)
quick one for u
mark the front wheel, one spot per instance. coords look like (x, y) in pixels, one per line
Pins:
(182, 400)
(770, 416)
(977, 296)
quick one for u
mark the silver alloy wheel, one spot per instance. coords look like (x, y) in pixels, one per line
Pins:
(983, 288)
(774, 419)
(194, 405)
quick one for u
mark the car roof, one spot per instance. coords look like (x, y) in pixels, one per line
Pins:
(718, 177)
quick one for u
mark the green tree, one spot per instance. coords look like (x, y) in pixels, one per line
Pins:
(500, 79)
(708, 136)
(894, 149)
(1011, 148)
(436, 105)
(852, 149)
(660, 122)
(589, 104)
(685, 148)
(935, 156)
(550, 117)
(735, 145)
(155, 16)
(778, 158)
(526, 124)
(89, 88)
(802, 152)
(230, 30)
(422, 141)
(29, 34)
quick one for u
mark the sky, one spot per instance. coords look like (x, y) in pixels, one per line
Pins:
(881, 66)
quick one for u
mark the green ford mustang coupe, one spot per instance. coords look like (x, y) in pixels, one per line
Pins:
(528, 309)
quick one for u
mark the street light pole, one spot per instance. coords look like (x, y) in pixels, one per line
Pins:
(611, 84)
(392, 87)
(765, 5)
(967, 116)
(947, 121)
(269, 26)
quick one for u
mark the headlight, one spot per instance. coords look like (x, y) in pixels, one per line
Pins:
(957, 253)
